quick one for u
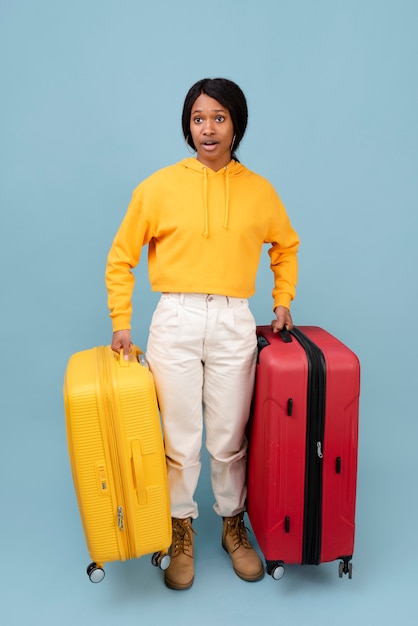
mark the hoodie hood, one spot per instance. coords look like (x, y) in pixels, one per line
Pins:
(232, 169)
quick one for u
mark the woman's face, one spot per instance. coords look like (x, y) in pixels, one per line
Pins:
(212, 132)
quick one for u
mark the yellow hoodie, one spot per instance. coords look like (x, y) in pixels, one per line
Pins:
(205, 232)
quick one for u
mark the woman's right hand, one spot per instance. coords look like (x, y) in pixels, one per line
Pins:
(122, 339)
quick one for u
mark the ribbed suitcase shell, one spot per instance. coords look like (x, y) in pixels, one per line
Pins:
(278, 454)
(117, 456)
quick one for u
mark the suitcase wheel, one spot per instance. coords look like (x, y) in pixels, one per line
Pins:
(161, 560)
(95, 573)
(277, 572)
(345, 567)
(275, 569)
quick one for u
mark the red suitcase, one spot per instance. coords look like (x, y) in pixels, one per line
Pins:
(302, 457)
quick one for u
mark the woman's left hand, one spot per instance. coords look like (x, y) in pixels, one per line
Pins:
(283, 319)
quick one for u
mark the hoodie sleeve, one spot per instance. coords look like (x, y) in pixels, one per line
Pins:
(283, 256)
(134, 232)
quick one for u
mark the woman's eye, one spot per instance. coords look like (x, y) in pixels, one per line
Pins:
(220, 118)
(197, 120)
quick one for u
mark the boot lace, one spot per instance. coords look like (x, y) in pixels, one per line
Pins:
(182, 537)
(238, 531)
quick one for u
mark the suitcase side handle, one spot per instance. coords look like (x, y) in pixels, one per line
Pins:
(138, 472)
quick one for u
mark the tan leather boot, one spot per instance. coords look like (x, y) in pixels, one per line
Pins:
(245, 560)
(180, 573)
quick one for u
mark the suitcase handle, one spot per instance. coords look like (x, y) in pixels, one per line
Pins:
(135, 353)
(285, 335)
(138, 472)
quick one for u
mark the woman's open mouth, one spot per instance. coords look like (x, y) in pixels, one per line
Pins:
(209, 145)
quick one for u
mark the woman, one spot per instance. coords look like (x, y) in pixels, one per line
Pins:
(205, 220)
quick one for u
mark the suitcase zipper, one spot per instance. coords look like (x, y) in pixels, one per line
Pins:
(121, 524)
(114, 449)
(311, 550)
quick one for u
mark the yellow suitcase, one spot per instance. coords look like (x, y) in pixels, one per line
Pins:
(117, 457)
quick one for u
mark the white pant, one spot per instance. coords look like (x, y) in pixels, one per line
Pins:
(202, 351)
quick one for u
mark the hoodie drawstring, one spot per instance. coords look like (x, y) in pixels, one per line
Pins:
(205, 201)
(226, 216)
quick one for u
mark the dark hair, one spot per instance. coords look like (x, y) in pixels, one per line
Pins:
(229, 95)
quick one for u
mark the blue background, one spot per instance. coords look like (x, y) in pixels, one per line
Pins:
(91, 97)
